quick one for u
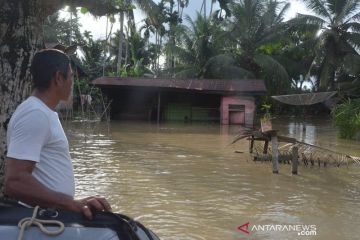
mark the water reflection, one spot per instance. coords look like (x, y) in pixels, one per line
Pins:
(186, 182)
(303, 132)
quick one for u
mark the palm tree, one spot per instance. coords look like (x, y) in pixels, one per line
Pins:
(224, 6)
(254, 25)
(147, 6)
(338, 41)
(181, 5)
(93, 55)
(139, 54)
(296, 55)
(199, 51)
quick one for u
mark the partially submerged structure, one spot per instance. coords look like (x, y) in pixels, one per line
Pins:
(224, 101)
(288, 150)
(293, 151)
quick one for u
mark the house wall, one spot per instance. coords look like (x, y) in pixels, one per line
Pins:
(232, 116)
(128, 104)
(186, 106)
(141, 104)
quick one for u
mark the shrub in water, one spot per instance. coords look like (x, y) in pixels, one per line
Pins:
(346, 117)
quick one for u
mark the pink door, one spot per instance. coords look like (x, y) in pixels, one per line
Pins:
(237, 117)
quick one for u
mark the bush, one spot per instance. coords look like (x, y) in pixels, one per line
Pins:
(346, 117)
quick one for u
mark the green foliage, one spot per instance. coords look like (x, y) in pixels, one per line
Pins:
(82, 86)
(199, 51)
(84, 10)
(247, 39)
(257, 27)
(224, 5)
(339, 38)
(346, 117)
(62, 31)
(275, 75)
(267, 115)
(137, 70)
(93, 59)
(296, 55)
(138, 49)
(138, 57)
(172, 19)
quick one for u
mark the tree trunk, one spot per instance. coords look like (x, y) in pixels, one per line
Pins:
(20, 36)
(121, 40)
(156, 51)
(211, 8)
(204, 9)
(127, 47)
(172, 41)
(71, 26)
(160, 45)
(105, 45)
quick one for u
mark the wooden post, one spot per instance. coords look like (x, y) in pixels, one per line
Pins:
(266, 146)
(275, 152)
(158, 108)
(251, 144)
(295, 161)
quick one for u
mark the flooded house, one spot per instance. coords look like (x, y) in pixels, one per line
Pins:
(154, 99)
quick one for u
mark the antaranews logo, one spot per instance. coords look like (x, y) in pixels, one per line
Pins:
(300, 229)
(244, 228)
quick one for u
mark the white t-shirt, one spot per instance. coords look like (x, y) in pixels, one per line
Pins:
(35, 133)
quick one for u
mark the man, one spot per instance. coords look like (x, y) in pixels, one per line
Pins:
(38, 166)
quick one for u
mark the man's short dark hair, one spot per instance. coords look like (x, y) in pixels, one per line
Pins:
(45, 64)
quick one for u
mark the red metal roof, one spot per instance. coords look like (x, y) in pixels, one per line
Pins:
(207, 85)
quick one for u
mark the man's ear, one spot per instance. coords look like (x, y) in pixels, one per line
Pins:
(58, 79)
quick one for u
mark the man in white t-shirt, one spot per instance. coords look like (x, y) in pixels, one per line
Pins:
(38, 165)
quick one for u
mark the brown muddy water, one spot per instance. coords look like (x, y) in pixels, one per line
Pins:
(184, 181)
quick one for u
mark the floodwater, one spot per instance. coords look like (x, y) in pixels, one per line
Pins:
(184, 181)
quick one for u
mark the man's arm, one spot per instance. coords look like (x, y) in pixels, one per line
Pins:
(22, 185)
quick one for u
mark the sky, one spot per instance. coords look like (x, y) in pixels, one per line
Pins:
(97, 26)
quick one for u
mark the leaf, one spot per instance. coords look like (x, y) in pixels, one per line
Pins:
(189, 72)
(84, 10)
(223, 66)
(319, 7)
(112, 19)
(273, 69)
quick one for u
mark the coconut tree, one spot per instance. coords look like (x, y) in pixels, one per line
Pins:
(199, 51)
(181, 5)
(139, 54)
(296, 55)
(93, 56)
(147, 6)
(156, 25)
(224, 7)
(57, 30)
(338, 41)
(172, 20)
(254, 25)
